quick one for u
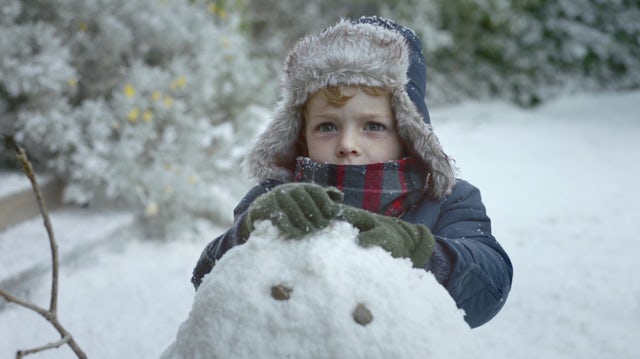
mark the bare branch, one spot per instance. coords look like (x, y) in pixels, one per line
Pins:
(58, 344)
(51, 315)
(28, 170)
(11, 299)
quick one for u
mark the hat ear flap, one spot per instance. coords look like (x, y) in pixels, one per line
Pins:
(424, 145)
(274, 151)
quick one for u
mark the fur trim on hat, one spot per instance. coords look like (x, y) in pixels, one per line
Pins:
(346, 54)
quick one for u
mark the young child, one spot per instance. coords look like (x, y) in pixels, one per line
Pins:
(351, 139)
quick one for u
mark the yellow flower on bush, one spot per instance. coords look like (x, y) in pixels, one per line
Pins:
(147, 115)
(168, 101)
(151, 210)
(132, 116)
(129, 90)
(178, 83)
(156, 95)
(217, 10)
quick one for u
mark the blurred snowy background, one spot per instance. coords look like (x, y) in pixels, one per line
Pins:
(149, 105)
(153, 102)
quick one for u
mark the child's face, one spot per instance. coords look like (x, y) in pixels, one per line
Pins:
(362, 131)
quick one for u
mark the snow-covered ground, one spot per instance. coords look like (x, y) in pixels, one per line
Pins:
(12, 182)
(560, 183)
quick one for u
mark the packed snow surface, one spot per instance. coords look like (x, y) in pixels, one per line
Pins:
(326, 276)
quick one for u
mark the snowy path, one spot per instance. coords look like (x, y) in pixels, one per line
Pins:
(560, 184)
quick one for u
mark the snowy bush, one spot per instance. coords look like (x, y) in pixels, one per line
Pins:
(139, 100)
(525, 51)
(275, 26)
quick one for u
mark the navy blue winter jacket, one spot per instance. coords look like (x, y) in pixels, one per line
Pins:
(467, 260)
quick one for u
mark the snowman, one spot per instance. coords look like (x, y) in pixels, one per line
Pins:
(320, 296)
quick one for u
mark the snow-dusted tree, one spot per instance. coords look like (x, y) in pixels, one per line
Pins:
(276, 25)
(525, 50)
(590, 44)
(147, 101)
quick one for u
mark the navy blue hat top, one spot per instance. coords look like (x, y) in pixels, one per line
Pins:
(417, 71)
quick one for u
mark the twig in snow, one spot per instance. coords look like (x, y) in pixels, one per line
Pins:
(52, 313)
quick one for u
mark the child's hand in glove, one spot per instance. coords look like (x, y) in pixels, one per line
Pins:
(400, 238)
(295, 208)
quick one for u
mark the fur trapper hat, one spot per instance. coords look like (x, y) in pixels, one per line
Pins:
(369, 51)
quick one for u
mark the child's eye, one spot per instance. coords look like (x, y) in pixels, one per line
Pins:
(374, 126)
(326, 127)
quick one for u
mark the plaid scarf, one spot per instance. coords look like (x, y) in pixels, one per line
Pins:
(388, 188)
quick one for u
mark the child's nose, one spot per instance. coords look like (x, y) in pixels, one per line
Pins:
(348, 146)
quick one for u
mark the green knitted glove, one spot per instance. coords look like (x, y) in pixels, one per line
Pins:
(398, 237)
(295, 208)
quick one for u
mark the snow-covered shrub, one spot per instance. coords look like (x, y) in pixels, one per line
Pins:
(148, 101)
(276, 25)
(526, 51)
(594, 43)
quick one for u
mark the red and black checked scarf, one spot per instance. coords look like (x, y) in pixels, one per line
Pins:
(388, 188)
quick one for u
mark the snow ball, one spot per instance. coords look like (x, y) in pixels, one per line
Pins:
(333, 299)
